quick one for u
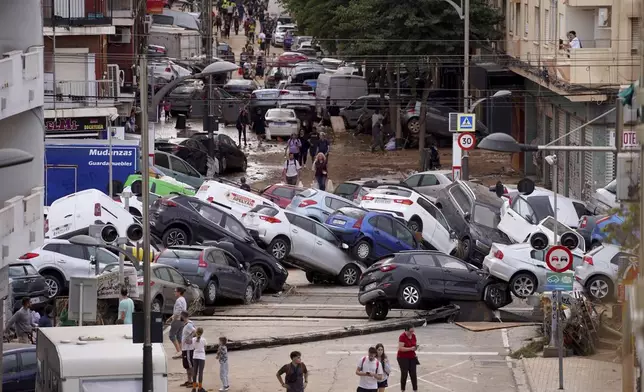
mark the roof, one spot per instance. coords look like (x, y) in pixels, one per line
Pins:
(483, 194)
(90, 359)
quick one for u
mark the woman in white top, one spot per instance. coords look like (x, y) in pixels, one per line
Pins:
(199, 359)
(386, 367)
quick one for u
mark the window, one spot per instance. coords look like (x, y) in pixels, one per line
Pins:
(75, 251)
(538, 255)
(546, 16)
(265, 210)
(512, 19)
(524, 209)
(235, 227)
(537, 24)
(336, 204)
(433, 211)
(29, 360)
(385, 224)
(635, 35)
(460, 198)
(161, 160)
(217, 257)
(181, 254)
(212, 214)
(286, 193)
(429, 180)
(450, 263)
(163, 274)
(413, 181)
(517, 18)
(231, 261)
(16, 271)
(424, 260)
(10, 364)
(52, 248)
(178, 166)
(526, 20)
(105, 257)
(304, 223)
(326, 234)
(176, 277)
(486, 216)
(30, 269)
(353, 212)
(404, 234)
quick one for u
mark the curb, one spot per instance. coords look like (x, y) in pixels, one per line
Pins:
(528, 383)
(336, 333)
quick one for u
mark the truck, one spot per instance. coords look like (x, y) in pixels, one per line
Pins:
(180, 43)
(95, 358)
(77, 165)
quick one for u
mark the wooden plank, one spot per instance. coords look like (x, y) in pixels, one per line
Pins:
(490, 326)
(337, 123)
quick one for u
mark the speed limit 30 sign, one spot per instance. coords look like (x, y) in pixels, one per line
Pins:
(466, 141)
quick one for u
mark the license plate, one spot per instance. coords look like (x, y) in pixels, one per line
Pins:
(61, 230)
(35, 300)
(370, 286)
(382, 201)
(338, 222)
(280, 123)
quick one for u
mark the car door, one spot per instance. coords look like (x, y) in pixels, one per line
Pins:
(303, 236)
(229, 106)
(73, 260)
(384, 236)
(406, 240)
(28, 370)
(10, 373)
(179, 170)
(537, 259)
(518, 221)
(460, 206)
(431, 273)
(429, 185)
(222, 270)
(441, 238)
(461, 282)
(329, 256)
(206, 226)
(353, 111)
(237, 277)
(162, 275)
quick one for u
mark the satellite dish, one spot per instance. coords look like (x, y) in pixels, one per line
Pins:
(525, 186)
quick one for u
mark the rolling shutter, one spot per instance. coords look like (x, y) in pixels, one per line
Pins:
(576, 158)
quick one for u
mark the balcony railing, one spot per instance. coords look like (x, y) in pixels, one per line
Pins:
(6, 73)
(80, 93)
(31, 65)
(21, 225)
(77, 13)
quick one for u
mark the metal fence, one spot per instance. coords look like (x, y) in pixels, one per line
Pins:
(77, 12)
(84, 92)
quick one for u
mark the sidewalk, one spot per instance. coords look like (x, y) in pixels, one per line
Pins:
(580, 374)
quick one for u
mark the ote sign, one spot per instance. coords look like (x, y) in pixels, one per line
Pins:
(466, 122)
(466, 141)
(559, 258)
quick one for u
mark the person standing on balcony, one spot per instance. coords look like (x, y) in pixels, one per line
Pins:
(573, 41)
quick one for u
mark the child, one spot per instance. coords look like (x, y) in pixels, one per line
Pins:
(199, 360)
(222, 356)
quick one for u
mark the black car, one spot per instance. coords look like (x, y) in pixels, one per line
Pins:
(227, 152)
(425, 280)
(27, 282)
(185, 220)
(191, 151)
(474, 212)
(19, 367)
(240, 87)
(216, 271)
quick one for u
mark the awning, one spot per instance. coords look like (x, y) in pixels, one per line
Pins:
(82, 112)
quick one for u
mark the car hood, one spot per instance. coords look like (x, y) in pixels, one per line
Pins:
(488, 235)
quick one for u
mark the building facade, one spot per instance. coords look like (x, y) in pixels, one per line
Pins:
(566, 89)
(21, 127)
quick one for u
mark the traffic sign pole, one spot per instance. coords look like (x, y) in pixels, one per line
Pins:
(461, 123)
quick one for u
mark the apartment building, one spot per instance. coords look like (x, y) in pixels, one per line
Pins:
(21, 127)
(121, 52)
(82, 88)
(566, 87)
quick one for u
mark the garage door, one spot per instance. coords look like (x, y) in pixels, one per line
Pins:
(575, 162)
(71, 67)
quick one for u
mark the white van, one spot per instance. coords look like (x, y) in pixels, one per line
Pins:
(73, 214)
(95, 358)
(231, 198)
(342, 89)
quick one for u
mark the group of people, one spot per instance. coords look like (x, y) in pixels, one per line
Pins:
(190, 343)
(374, 369)
(298, 148)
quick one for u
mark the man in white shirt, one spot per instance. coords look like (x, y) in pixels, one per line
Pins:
(574, 42)
(370, 371)
(187, 347)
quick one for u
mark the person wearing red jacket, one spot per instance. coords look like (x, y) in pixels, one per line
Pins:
(407, 359)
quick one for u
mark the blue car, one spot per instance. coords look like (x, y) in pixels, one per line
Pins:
(599, 234)
(371, 235)
(19, 367)
(312, 82)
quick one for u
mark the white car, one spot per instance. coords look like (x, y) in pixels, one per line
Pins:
(281, 122)
(58, 260)
(73, 214)
(604, 199)
(429, 182)
(523, 267)
(306, 243)
(280, 33)
(521, 216)
(167, 70)
(296, 95)
(599, 272)
(417, 210)
(231, 198)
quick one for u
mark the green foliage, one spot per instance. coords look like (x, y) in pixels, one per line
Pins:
(627, 234)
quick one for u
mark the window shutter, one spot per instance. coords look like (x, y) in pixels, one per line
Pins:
(635, 35)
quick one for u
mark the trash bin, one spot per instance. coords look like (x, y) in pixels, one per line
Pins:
(181, 121)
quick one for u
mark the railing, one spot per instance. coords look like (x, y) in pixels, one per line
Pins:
(31, 65)
(7, 222)
(77, 12)
(6, 73)
(33, 212)
(83, 92)
(21, 225)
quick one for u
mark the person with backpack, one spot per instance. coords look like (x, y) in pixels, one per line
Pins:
(370, 372)
(294, 146)
(386, 367)
(291, 170)
(296, 376)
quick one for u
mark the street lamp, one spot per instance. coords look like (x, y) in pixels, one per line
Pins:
(498, 94)
(502, 142)
(211, 69)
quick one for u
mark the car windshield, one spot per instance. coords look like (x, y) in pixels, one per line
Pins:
(346, 188)
(30, 269)
(356, 213)
(549, 223)
(191, 254)
(486, 216)
(239, 82)
(391, 191)
(612, 187)
(298, 87)
(280, 113)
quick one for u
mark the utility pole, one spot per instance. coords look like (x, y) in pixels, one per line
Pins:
(465, 168)
(209, 118)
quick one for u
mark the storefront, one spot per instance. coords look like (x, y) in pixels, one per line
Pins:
(76, 127)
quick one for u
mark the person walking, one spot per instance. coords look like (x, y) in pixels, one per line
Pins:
(176, 325)
(314, 140)
(199, 360)
(376, 135)
(260, 65)
(126, 307)
(321, 171)
(291, 170)
(294, 146)
(259, 126)
(46, 319)
(21, 322)
(407, 359)
(296, 376)
(242, 123)
(386, 367)
(324, 146)
(222, 356)
(236, 23)
(187, 349)
(370, 372)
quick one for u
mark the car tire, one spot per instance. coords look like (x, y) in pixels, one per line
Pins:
(466, 245)
(244, 166)
(260, 273)
(409, 294)
(349, 275)
(174, 236)
(249, 294)
(311, 277)
(157, 305)
(415, 225)
(413, 126)
(362, 250)
(223, 165)
(209, 311)
(523, 285)
(377, 310)
(495, 296)
(279, 248)
(210, 293)
(600, 288)
(54, 285)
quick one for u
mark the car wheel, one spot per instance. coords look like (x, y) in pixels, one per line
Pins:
(260, 274)
(409, 294)
(415, 225)
(279, 248)
(599, 287)
(523, 285)
(467, 248)
(244, 165)
(157, 305)
(362, 250)
(223, 165)
(495, 296)
(349, 275)
(54, 286)
(211, 293)
(311, 277)
(249, 293)
(174, 236)
(413, 126)
(377, 310)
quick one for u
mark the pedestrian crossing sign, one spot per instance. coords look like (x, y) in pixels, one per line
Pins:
(466, 122)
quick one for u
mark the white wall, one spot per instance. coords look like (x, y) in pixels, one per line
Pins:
(20, 25)
(582, 21)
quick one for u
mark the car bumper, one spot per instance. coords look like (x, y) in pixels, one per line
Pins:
(277, 283)
(280, 131)
(498, 268)
(479, 251)
(581, 274)
(371, 296)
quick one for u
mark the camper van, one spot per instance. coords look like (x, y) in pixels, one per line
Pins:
(95, 358)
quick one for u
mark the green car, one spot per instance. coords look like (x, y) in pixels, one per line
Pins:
(161, 185)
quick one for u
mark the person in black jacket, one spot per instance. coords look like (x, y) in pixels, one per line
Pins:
(242, 122)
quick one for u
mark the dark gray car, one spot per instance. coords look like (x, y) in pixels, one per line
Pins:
(215, 271)
(261, 100)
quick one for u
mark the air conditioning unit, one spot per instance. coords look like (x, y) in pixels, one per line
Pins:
(123, 36)
(113, 74)
(148, 23)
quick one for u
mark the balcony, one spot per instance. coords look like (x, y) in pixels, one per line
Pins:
(77, 13)
(21, 225)
(122, 9)
(79, 93)
(21, 81)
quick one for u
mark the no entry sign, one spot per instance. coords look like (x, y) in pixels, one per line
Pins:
(466, 141)
(559, 258)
